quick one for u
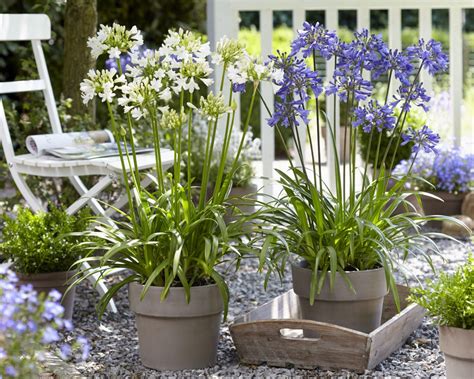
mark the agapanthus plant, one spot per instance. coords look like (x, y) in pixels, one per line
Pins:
(350, 228)
(167, 238)
(450, 170)
(29, 326)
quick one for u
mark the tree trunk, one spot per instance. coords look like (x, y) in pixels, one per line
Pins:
(80, 23)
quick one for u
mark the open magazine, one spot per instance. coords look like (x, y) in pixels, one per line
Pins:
(77, 145)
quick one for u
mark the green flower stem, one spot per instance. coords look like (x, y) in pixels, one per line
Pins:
(132, 139)
(124, 169)
(318, 131)
(190, 127)
(282, 139)
(402, 113)
(379, 139)
(209, 150)
(157, 149)
(225, 145)
(234, 167)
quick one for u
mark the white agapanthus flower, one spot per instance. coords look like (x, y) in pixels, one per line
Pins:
(115, 40)
(101, 83)
(228, 51)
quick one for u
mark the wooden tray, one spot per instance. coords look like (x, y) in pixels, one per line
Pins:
(273, 334)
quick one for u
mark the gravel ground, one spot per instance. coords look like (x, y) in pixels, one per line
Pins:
(115, 344)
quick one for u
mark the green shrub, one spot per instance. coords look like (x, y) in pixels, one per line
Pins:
(39, 242)
(450, 299)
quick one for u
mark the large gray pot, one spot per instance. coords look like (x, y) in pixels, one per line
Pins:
(45, 282)
(359, 311)
(458, 348)
(174, 334)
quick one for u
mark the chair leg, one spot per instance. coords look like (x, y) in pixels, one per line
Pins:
(31, 199)
(102, 184)
(100, 286)
(123, 199)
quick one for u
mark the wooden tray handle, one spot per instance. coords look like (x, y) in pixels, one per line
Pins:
(314, 332)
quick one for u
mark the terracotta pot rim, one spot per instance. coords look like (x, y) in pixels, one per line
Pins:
(44, 274)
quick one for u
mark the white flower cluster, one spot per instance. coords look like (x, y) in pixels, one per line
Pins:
(101, 83)
(115, 40)
(181, 64)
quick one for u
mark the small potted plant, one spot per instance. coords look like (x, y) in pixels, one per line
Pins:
(446, 177)
(42, 251)
(29, 324)
(173, 236)
(449, 300)
(346, 239)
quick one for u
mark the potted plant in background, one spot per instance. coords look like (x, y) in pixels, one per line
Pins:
(244, 190)
(42, 249)
(170, 242)
(348, 240)
(449, 300)
(414, 119)
(29, 324)
(446, 178)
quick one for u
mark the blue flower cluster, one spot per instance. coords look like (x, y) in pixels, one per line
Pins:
(29, 323)
(365, 54)
(292, 94)
(374, 115)
(423, 138)
(451, 170)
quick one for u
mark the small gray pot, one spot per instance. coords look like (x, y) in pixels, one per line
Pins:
(174, 334)
(360, 311)
(246, 205)
(458, 348)
(45, 282)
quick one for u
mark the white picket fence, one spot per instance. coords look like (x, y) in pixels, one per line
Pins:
(223, 19)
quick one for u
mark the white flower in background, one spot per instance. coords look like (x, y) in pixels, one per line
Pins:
(212, 106)
(277, 75)
(170, 119)
(228, 51)
(114, 40)
(101, 83)
(248, 69)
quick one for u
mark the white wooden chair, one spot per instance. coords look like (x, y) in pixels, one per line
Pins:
(35, 28)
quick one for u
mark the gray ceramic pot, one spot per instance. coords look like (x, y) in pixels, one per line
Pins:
(360, 311)
(174, 334)
(450, 206)
(458, 348)
(45, 282)
(246, 205)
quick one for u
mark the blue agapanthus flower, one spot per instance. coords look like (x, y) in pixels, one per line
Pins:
(291, 97)
(315, 38)
(423, 138)
(373, 115)
(431, 55)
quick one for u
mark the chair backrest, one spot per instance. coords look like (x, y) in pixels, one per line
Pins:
(33, 28)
